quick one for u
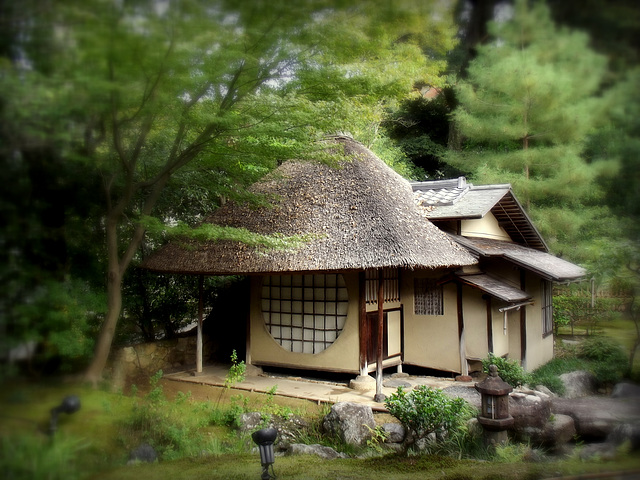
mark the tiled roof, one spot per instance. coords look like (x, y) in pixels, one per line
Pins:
(458, 200)
(441, 192)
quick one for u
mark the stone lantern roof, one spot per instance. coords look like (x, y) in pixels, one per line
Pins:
(493, 384)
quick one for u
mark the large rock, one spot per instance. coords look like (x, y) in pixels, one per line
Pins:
(351, 422)
(289, 428)
(626, 390)
(144, 453)
(558, 431)
(530, 411)
(578, 384)
(596, 417)
(321, 451)
(394, 432)
(626, 432)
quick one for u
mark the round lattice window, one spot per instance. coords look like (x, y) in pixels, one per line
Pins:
(305, 313)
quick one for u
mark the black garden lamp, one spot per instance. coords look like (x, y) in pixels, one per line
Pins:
(494, 418)
(70, 404)
(264, 439)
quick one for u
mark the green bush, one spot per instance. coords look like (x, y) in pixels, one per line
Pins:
(598, 355)
(509, 370)
(609, 363)
(425, 410)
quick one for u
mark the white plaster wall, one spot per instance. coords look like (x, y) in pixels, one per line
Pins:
(486, 227)
(475, 323)
(431, 341)
(539, 349)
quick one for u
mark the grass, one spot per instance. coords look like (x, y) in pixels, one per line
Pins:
(94, 442)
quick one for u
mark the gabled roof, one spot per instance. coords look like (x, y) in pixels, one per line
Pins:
(544, 264)
(458, 200)
(359, 215)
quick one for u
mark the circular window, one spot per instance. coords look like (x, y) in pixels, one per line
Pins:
(305, 313)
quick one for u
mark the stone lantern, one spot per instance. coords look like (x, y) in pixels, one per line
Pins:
(494, 418)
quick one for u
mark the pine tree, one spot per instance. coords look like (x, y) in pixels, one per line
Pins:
(530, 99)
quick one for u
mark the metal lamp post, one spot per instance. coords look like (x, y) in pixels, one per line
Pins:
(70, 404)
(264, 439)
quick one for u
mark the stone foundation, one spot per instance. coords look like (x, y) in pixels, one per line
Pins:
(147, 358)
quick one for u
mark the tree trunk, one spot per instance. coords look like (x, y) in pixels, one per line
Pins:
(108, 329)
(114, 303)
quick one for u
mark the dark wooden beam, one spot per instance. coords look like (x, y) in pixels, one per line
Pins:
(363, 326)
(379, 397)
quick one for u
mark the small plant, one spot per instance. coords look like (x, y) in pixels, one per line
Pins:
(509, 370)
(235, 374)
(378, 437)
(237, 371)
(425, 410)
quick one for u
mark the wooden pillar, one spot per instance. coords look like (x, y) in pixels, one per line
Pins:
(379, 396)
(523, 324)
(199, 331)
(464, 368)
(363, 325)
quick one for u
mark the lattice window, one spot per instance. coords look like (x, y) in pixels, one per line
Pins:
(391, 287)
(547, 308)
(305, 313)
(428, 297)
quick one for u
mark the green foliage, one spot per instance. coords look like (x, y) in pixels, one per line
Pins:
(377, 439)
(172, 428)
(549, 373)
(63, 318)
(576, 310)
(599, 355)
(609, 363)
(31, 456)
(525, 114)
(425, 410)
(209, 232)
(509, 370)
(236, 372)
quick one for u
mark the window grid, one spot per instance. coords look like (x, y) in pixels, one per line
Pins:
(391, 288)
(428, 297)
(305, 313)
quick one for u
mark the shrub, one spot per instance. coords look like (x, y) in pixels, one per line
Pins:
(425, 410)
(509, 370)
(608, 361)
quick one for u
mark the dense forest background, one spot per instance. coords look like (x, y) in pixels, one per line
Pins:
(114, 112)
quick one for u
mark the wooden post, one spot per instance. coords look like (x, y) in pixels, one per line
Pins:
(523, 324)
(464, 368)
(379, 396)
(199, 331)
(363, 326)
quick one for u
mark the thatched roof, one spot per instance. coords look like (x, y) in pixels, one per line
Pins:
(360, 215)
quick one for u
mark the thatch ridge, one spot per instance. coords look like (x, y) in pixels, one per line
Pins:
(359, 215)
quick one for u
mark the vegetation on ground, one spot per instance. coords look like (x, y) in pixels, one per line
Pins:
(427, 411)
(95, 441)
(601, 356)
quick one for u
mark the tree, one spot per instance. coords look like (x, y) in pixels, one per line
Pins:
(152, 95)
(526, 108)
